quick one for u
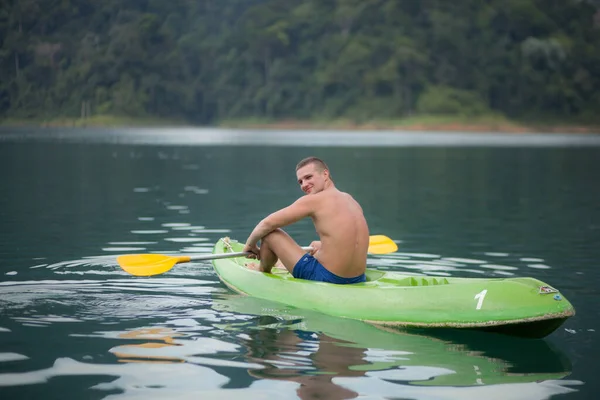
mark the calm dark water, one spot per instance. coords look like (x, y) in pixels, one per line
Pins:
(74, 325)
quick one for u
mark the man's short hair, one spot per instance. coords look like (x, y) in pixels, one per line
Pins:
(320, 164)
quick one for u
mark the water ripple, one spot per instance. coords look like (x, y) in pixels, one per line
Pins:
(4, 357)
(416, 263)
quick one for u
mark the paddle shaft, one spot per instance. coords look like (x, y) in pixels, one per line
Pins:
(225, 255)
(154, 264)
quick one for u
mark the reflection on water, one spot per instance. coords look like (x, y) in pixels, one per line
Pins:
(312, 360)
(168, 337)
(131, 380)
(341, 358)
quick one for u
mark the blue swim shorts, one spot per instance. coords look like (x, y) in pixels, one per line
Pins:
(311, 269)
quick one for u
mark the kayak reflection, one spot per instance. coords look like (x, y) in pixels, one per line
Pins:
(328, 355)
(312, 360)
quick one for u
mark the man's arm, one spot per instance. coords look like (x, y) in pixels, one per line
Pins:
(301, 208)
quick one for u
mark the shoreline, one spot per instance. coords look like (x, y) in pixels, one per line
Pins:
(485, 124)
(414, 124)
(423, 127)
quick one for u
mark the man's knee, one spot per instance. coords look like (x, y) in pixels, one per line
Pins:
(273, 235)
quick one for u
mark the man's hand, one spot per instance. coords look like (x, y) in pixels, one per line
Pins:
(253, 250)
(315, 246)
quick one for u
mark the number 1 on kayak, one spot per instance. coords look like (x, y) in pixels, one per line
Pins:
(480, 296)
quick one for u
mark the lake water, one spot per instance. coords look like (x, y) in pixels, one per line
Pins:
(74, 325)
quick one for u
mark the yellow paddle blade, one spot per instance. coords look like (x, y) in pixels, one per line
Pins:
(381, 244)
(149, 264)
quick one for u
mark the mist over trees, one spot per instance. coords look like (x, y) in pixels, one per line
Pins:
(205, 61)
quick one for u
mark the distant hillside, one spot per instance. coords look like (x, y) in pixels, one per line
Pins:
(206, 61)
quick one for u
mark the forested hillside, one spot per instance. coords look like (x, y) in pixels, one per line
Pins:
(205, 61)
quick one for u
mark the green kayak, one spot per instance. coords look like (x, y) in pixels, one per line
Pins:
(516, 306)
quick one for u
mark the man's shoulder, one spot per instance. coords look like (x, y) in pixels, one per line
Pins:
(313, 200)
(323, 196)
(308, 200)
(333, 196)
(345, 195)
(329, 194)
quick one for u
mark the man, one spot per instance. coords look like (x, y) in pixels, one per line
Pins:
(341, 254)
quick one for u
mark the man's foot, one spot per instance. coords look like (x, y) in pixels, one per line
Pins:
(254, 266)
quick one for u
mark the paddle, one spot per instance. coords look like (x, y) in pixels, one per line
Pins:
(156, 264)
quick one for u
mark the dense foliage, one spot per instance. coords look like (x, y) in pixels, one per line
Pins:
(209, 60)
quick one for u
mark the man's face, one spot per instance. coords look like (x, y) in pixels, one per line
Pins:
(311, 181)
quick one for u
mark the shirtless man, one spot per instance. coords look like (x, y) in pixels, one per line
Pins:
(341, 254)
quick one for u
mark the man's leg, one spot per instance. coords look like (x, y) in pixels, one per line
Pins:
(279, 245)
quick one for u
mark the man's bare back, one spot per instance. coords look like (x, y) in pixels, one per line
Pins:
(343, 231)
(338, 220)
